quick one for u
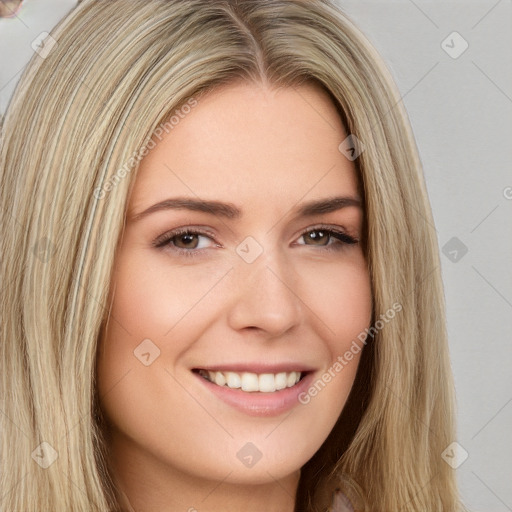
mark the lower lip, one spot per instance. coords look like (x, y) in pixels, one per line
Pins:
(258, 403)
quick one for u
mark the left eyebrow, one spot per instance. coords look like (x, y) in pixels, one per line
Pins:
(230, 211)
(328, 205)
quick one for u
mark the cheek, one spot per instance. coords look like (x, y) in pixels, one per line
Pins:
(156, 301)
(142, 302)
(341, 299)
(151, 299)
(340, 295)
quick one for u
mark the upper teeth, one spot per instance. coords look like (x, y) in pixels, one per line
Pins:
(264, 382)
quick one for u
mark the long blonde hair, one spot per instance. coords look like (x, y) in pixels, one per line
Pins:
(115, 71)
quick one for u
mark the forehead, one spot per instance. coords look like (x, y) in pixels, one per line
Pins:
(251, 143)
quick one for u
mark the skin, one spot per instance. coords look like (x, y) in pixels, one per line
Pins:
(8, 8)
(173, 443)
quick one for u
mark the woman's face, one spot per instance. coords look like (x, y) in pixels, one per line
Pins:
(231, 269)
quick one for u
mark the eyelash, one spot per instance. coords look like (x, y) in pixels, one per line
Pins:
(164, 240)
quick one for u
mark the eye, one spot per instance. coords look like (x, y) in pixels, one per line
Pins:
(328, 238)
(185, 241)
(190, 242)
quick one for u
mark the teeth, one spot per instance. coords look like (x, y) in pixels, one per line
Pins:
(267, 383)
(220, 380)
(281, 381)
(252, 382)
(233, 380)
(291, 379)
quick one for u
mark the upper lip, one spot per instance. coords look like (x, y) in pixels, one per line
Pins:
(256, 367)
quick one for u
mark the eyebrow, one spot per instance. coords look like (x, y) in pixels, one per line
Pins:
(230, 211)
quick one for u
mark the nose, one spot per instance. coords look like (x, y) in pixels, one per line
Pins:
(266, 297)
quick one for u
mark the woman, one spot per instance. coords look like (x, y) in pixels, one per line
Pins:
(223, 286)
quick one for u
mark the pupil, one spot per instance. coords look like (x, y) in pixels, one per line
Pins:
(187, 238)
(316, 236)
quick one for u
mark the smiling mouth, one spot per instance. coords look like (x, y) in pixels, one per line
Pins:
(252, 382)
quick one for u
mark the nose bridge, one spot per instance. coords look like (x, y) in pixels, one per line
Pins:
(265, 297)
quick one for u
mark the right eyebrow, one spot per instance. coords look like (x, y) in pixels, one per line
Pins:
(227, 210)
(230, 211)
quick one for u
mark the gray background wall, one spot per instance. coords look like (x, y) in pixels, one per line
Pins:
(460, 104)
